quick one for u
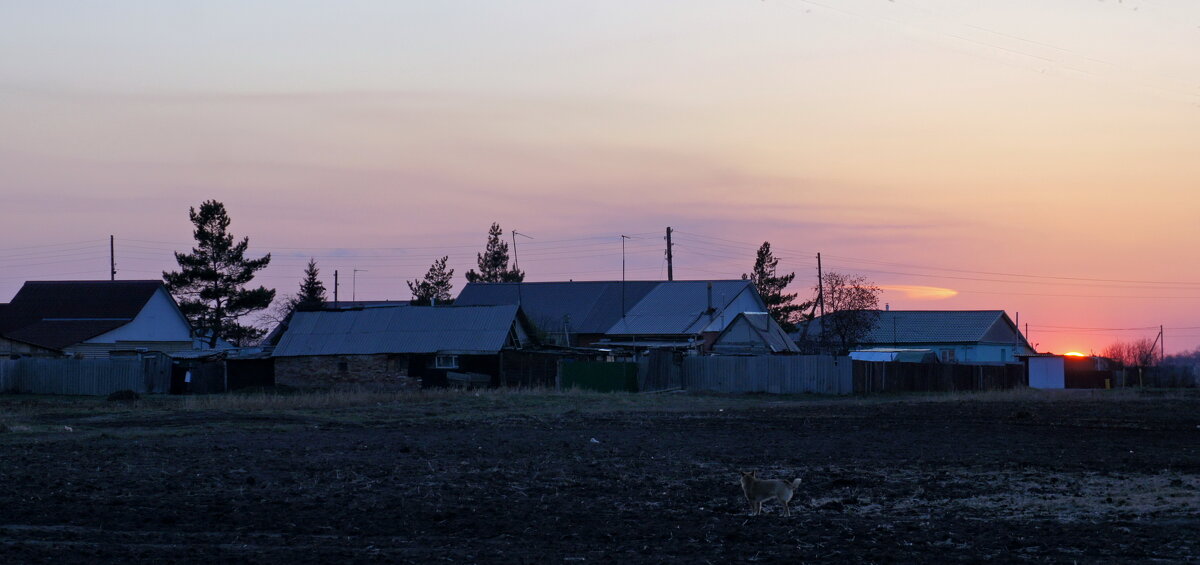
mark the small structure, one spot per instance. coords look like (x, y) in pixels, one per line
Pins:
(957, 336)
(1071, 371)
(753, 333)
(93, 318)
(390, 346)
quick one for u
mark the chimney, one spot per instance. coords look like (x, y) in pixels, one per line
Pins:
(710, 309)
(887, 307)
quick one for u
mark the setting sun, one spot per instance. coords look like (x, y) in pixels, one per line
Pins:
(1074, 354)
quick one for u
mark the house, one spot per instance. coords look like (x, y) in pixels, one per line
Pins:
(639, 314)
(272, 338)
(93, 319)
(753, 333)
(956, 336)
(393, 346)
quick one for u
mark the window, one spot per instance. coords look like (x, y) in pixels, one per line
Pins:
(446, 362)
(947, 356)
(343, 367)
(1003, 354)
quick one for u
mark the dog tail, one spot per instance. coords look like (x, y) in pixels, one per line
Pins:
(795, 484)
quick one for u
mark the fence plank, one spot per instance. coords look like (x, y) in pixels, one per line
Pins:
(792, 374)
(92, 377)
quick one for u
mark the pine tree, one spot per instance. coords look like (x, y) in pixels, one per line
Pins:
(771, 288)
(435, 286)
(312, 290)
(210, 285)
(493, 262)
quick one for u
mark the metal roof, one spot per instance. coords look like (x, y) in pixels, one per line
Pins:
(680, 308)
(402, 329)
(591, 307)
(753, 330)
(937, 326)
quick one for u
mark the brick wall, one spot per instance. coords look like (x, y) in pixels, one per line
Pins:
(331, 370)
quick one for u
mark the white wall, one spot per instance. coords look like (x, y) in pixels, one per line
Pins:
(159, 320)
(1046, 372)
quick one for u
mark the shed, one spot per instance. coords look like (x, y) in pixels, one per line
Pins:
(389, 345)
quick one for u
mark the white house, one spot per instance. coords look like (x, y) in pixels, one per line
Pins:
(955, 336)
(94, 318)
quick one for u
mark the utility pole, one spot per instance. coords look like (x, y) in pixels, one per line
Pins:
(335, 289)
(354, 284)
(623, 238)
(1162, 345)
(821, 297)
(112, 259)
(670, 257)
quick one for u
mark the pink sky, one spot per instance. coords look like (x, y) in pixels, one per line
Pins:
(1032, 157)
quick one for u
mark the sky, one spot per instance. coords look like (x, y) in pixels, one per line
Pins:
(1031, 156)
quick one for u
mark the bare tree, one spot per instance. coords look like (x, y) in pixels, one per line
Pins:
(851, 309)
(1135, 353)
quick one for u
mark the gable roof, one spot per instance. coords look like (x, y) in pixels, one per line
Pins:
(595, 307)
(402, 329)
(939, 326)
(591, 307)
(58, 314)
(681, 307)
(759, 324)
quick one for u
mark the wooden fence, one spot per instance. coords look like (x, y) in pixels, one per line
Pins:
(917, 377)
(779, 374)
(96, 377)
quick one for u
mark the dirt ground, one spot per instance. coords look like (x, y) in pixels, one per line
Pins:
(1073, 478)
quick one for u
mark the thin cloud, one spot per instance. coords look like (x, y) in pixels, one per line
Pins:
(917, 292)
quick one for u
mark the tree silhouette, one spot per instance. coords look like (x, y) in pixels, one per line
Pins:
(771, 288)
(435, 286)
(493, 262)
(210, 284)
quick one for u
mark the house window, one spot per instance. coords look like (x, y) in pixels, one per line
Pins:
(947, 356)
(1003, 354)
(446, 362)
(343, 366)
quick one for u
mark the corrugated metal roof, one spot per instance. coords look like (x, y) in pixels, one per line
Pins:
(591, 306)
(679, 308)
(754, 330)
(404, 329)
(930, 326)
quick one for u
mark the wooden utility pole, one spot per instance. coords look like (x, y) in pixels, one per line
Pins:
(821, 297)
(112, 259)
(670, 257)
(335, 289)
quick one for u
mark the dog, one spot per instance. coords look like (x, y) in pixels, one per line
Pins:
(759, 491)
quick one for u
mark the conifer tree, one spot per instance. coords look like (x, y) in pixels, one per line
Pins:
(771, 288)
(210, 285)
(312, 290)
(493, 262)
(435, 286)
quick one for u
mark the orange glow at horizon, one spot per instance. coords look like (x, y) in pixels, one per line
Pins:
(1074, 354)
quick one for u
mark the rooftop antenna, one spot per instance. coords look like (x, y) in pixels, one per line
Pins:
(516, 264)
(354, 284)
(112, 260)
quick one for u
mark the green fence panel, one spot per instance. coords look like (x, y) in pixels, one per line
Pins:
(600, 376)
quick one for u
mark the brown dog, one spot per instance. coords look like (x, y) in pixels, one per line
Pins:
(759, 491)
